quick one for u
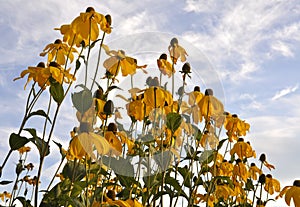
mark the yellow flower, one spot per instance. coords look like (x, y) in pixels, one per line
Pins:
(134, 203)
(291, 192)
(176, 51)
(195, 96)
(226, 169)
(58, 51)
(113, 141)
(253, 171)
(38, 74)
(85, 27)
(210, 139)
(155, 97)
(5, 195)
(24, 149)
(235, 127)
(223, 192)
(83, 145)
(165, 66)
(137, 109)
(210, 107)
(240, 170)
(119, 61)
(242, 149)
(271, 184)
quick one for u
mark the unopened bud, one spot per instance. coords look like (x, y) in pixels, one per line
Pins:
(174, 42)
(108, 19)
(186, 68)
(108, 108)
(209, 92)
(262, 157)
(89, 9)
(262, 179)
(112, 127)
(163, 56)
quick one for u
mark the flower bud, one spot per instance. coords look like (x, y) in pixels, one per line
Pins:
(111, 194)
(209, 92)
(296, 183)
(108, 108)
(174, 42)
(262, 157)
(112, 127)
(89, 9)
(186, 68)
(197, 88)
(180, 91)
(98, 93)
(108, 19)
(58, 41)
(163, 56)
(41, 65)
(262, 179)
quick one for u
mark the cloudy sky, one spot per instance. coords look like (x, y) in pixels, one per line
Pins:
(252, 49)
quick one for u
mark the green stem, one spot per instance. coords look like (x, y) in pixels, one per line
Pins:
(98, 61)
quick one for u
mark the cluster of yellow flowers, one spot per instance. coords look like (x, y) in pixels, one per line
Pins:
(181, 134)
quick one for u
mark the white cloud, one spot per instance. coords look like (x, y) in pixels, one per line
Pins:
(283, 48)
(285, 92)
(243, 33)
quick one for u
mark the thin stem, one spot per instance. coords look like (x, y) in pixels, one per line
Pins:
(98, 61)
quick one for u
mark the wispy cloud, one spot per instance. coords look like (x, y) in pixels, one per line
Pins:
(285, 92)
(239, 36)
(283, 48)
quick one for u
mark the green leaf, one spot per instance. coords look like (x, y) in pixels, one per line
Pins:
(120, 166)
(76, 170)
(42, 146)
(175, 184)
(5, 182)
(16, 141)
(207, 156)
(57, 92)
(186, 175)
(32, 131)
(221, 143)
(78, 64)
(39, 113)
(82, 100)
(173, 121)
(63, 154)
(25, 203)
(163, 159)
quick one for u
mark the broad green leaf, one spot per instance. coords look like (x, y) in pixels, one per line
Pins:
(173, 121)
(76, 170)
(82, 100)
(120, 166)
(16, 141)
(207, 156)
(57, 92)
(41, 145)
(39, 113)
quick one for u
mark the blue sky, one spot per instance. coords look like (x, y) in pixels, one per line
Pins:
(252, 46)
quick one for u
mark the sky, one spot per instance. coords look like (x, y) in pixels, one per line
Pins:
(247, 51)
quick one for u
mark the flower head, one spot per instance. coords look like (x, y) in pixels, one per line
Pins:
(210, 107)
(291, 192)
(59, 51)
(271, 184)
(165, 66)
(176, 51)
